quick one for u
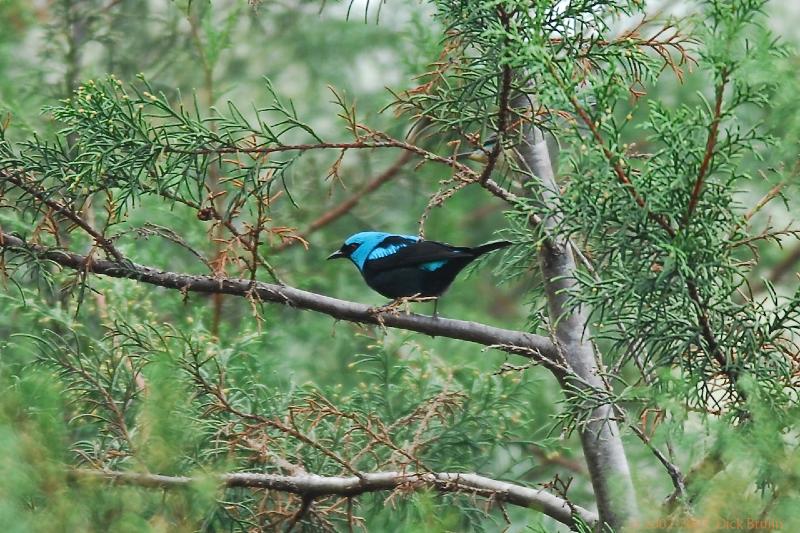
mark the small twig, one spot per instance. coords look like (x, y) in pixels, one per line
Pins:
(350, 518)
(614, 160)
(347, 205)
(502, 118)
(706, 469)
(149, 229)
(99, 239)
(559, 460)
(385, 142)
(304, 507)
(711, 142)
(677, 477)
(767, 198)
(217, 391)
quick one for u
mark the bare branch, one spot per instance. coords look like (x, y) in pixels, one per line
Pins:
(312, 486)
(518, 342)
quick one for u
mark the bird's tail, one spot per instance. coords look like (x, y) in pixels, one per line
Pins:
(489, 247)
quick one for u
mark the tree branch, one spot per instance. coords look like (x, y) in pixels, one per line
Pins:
(99, 239)
(622, 176)
(312, 486)
(384, 142)
(600, 436)
(614, 160)
(517, 342)
(502, 119)
(675, 474)
(304, 507)
(711, 142)
(345, 207)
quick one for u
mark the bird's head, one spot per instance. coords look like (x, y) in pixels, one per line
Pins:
(358, 247)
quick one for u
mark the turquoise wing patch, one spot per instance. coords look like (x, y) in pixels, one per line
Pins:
(385, 251)
(433, 265)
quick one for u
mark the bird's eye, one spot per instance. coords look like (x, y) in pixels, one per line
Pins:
(348, 249)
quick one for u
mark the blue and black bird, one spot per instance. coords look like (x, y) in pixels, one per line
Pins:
(402, 266)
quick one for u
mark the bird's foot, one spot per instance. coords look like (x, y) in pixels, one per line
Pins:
(397, 304)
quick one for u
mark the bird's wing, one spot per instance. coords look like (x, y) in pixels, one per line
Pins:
(391, 245)
(396, 254)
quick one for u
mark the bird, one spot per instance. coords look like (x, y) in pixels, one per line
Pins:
(407, 266)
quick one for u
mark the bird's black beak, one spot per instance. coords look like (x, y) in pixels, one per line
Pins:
(336, 255)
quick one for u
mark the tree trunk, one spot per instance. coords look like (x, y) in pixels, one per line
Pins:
(600, 436)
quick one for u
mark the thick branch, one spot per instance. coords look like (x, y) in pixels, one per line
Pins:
(310, 485)
(600, 436)
(511, 341)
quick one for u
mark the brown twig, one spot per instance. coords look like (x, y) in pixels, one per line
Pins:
(677, 477)
(788, 262)
(99, 238)
(304, 507)
(382, 438)
(109, 402)
(502, 118)
(705, 324)
(711, 465)
(559, 460)
(711, 142)
(615, 162)
(347, 205)
(386, 142)
(218, 393)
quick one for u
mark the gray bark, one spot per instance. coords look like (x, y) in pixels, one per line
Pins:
(600, 436)
(316, 486)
